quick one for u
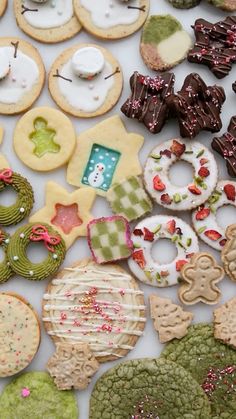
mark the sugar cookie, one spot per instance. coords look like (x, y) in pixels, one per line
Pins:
(3, 6)
(5, 269)
(228, 254)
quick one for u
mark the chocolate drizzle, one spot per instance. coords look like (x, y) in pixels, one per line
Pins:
(61, 77)
(15, 45)
(226, 147)
(234, 87)
(26, 9)
(117, 70)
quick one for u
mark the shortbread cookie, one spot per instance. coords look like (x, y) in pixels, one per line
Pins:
(22, 75)
(98, 305)
(225, 146)
(159, 185)
(170, 320)
(225, 322)
(5, 269)
(184, 4)
(47, 21)
(3, 161)
(144, 236)
(44, 139)
(228, 254)
(148, 388)
(86, 80)
(204, 218)
(200, 278)
(34, 395)
(105, 154)
(20, 334)
(3, 6)
(227, 5)
(111, 19)
(164, 42)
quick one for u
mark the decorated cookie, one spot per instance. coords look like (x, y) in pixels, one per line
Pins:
(5, 269)
(148, 388)
(204, 218)
(20, 334)
(3, 161)
(225, 322)
(109, 239)
(164, 42)
(111, 19)
(170, 320)
(98, 305)
(47, 21)
(234, 86)
(69, 213)
(228, 254)
(3, 6)
(180, 198)
(225, 146)
(86, 80)
(227, 5)
(145, 235)
(105, 154)
(34, 395)
(35, 233)
(200, 278)
(184, 4)
(44, 139)
(22, 75)
(211, 363)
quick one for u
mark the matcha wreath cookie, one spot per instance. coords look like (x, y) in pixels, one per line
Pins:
(5, 269)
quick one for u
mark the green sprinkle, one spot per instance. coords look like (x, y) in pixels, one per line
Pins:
(181, 245)
(189, 242)
(204, 186)
(188, 152)
(158, 227)
(155, 156)
(184, 196)
(202, 229)
(213, 210)
(174, 238)
(137, 246)
(198, 180)
(158, 277)
(214, 197)
(158, 169)
(200, 153)
(177, 198)
(148, 275)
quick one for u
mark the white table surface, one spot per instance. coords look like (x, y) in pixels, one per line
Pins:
(127, 52)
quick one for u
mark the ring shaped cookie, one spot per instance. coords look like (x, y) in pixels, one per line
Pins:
(180, 198)
(3, 6)
(44, 139)
(5, 269)
(46, 24)
(145, 234)
(36, 233)
(78, 96)
(16, 212)
(204, 218)
(111, 19)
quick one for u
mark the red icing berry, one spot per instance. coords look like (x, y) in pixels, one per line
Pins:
(148, 235)
(203, 172)
(171, 226)
(178, 148)
(158, 185)
(212, 235)
(166, 199)
(179, 264)
(194, 190)
(230, 192)
(203, 213)
(139, 258)
(203, 161)
(137, 232)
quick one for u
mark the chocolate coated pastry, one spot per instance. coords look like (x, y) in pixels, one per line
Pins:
(226, 147)
(234, 87)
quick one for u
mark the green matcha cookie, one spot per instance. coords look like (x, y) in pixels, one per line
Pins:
(154, 387)
(5, 270)
(184, 4)
(211, 363)
(34, 396)
(164, 43)
(228, 5)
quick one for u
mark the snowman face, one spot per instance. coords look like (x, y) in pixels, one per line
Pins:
(100, 167)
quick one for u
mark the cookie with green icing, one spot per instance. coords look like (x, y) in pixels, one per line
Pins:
(164, 42)
(148, 388)
(184, 4)
(5, 269)
(34, 396)
(228, 5)
(211, 363)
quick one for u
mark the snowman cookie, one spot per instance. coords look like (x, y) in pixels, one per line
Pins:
(48, 21)
(86, 80)
(3, 6)
(22, 75)
(111, 19)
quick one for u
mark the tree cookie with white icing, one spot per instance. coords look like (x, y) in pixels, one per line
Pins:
(86, 80)
(22, 75)
(3, 6)
(111, 19)
(48, 21)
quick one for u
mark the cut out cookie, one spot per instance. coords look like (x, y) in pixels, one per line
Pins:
(225, 322)
(3, 6)
(226, 147)
(227, 5)
(5, 269)
(228, 254)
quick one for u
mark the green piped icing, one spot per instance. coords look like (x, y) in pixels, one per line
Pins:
(159, 27)
(5, 269)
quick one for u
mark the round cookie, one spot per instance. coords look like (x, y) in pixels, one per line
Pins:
(20, 334)
(35, 233)
(227, 5)
(111, 19)
(204, 218)
(164, 42)
(180, 198)
(33, 395)
(98, 305)
(5, 269)
(145, 235)
(22, 75)
(212, 365)
(49, 21)
(3, 6)
(44, 139)
(148, 388)
(184, 4)
(74, 89)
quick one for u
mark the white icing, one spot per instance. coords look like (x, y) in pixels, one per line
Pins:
(108, 13)
(50, 14)
(4, 64)
(23, 75)
(87, 62)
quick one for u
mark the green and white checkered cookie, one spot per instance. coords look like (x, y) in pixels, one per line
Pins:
(109, 239)
(129, 198)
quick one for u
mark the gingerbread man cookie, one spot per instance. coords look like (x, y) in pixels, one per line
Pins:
(228, 255)
(225, 322)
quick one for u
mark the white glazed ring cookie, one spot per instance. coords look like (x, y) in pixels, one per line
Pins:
(181, 198)
(204, 217)
(145, 234)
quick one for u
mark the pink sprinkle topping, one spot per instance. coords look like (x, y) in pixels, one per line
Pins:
(25, 392)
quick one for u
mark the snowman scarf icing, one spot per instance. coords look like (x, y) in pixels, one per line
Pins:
(51, 14)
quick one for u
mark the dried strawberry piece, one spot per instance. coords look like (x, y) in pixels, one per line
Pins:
(203, 172)
(194, 190)
(222, 242)
(164, 273)
(203, 213)
(230, 192)
(166, 199)
(203, 161)
(212, 234)
(138, 232)
(171, 226)
(148, 235)
(158, 185)
(179, 264)
(139, 258)
(189, 255)
(166, 153)
(178, 148)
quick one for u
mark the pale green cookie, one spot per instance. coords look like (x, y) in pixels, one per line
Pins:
(184, 4)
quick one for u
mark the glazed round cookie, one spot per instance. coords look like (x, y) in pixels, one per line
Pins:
(33, 395)
(35, 233)
(44, 139)
(20, 334)
(22, 75)
(47, 21)
(180, 198)
(145, 234)
(227, 5)
(98, 305)
(204, 217)
(156, 388)
(111, 19)
(184, 4)
(5, 269)
(16, 212)
(86, 80)
(3, 6)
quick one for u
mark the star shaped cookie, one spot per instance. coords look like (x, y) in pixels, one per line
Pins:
(69, 213)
